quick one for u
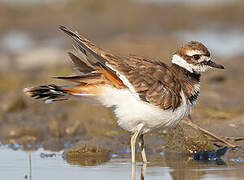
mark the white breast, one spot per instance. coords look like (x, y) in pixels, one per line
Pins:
(130, 111)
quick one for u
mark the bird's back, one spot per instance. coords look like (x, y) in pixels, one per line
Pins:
(139, 90)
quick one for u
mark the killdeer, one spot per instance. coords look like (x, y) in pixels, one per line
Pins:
(145, 94)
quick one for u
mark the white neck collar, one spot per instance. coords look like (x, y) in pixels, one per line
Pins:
(176, 59)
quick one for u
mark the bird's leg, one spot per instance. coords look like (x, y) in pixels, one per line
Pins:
(143, 171)
(133, 142)
(142, 148)
(133, 171)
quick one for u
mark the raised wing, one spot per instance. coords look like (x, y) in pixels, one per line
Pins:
(151, 80)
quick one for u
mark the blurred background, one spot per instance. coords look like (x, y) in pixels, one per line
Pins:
(32, 50)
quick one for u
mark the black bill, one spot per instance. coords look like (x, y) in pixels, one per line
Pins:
(213, 64)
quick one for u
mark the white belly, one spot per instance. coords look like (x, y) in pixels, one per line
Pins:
(131, 111)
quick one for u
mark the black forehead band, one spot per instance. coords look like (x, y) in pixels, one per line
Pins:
(207, 54)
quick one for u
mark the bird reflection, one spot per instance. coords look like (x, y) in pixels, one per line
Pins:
(143, 171)
(29, 176)
(181, 166)
(184, 167)
(87, 160)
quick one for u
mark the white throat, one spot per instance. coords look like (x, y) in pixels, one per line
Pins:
(176, 59)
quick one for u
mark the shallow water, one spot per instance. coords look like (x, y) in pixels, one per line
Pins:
(18, 164)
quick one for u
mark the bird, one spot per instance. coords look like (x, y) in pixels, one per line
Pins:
(144, 94)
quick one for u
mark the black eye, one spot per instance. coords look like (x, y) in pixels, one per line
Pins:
(196, 57)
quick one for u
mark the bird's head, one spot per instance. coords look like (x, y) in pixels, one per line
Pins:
(194, 57)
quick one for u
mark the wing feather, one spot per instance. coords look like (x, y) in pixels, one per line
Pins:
(151, 80)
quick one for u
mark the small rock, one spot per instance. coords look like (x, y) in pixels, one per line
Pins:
(88, 154)
(186, 139)
(210, 155)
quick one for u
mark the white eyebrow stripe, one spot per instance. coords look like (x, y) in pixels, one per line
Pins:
(193, 52)
(204, 58)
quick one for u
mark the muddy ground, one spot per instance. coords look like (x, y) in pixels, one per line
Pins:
(78, 127)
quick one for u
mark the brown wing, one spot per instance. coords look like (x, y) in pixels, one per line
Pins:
(153, 81)
(85, 45)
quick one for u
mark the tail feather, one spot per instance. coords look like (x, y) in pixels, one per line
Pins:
(95, 73)
(50, 93)
(92, 78)
(47, 92)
